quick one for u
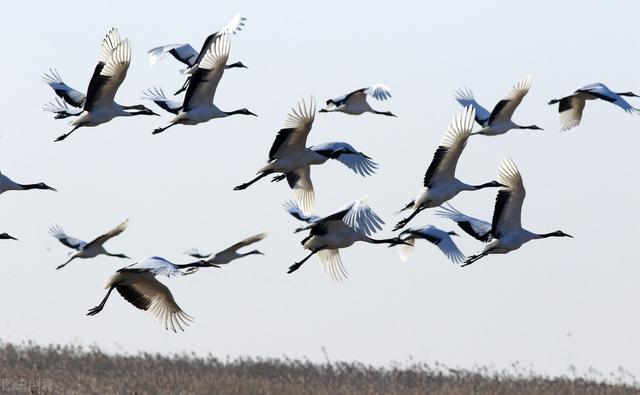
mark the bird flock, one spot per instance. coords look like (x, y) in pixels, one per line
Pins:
(290, 158)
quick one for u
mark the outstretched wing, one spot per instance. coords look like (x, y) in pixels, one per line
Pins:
(358, 162)
(151, 295)
(205, 80)
(465, 98)
(292, 208)
(477, 228)
(156, 265)
(100, 240)
(292, 138)
(377, 91)
(71, 242)
(503, 111)
(332, 264)
(361, 218)
(157, 96)
(444, 162)
(300, 183)
(243, 243)
(508, 207)
(115, 57)
(61, 109)
(570, 109)
(68, 94)
(183, 53)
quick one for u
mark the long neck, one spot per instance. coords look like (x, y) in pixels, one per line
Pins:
(116, 255)
(485, 185)
(132, 113)
(234, 65)
(254, 252)
(545, 235)
(235, 112)
(391, 241)
(32, 186)
(387, 113)
(142, 110)
(134, 107)
(199, 263)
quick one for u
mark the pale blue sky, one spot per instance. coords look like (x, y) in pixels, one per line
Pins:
(177, 187)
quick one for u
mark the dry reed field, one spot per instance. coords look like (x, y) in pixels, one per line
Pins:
(29, 368)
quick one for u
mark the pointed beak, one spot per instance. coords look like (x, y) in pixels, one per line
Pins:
(568, 235)
(255, 115)
(260, 253)
(11, 237)
(52, 189)
(153, 113)
(452, 233)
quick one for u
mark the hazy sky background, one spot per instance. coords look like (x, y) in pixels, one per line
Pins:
(550, 304)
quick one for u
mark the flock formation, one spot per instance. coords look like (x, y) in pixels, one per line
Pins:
(290, 159)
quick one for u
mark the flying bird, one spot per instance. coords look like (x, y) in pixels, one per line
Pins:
(88, 250)
(198, 106)
(137, 284)
(7, 184)
(440, 183)
(290, 156)
(186, 54)
(571, 106)
(352, 223)
(506, 226)
(6, 236)
(99, 106)
(432, 234)
(477, 228)
(229, 254)
(355, 103)
(499, 120)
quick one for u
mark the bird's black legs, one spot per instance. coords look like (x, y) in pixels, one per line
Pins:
(160, 130)
(64, 136)
(405, 221)
(184, 86)
(99, 307)
(297, 265)
(248, 184)
(279, 177)
(66, 263)
(474, 258)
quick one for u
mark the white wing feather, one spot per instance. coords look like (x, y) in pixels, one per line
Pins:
(303, 190)
(332, 264)
(362, 218)
(156, 265)
(465, 98)
(379, 92)
(358, 162)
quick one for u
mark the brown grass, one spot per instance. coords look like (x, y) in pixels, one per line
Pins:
(66, 369)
